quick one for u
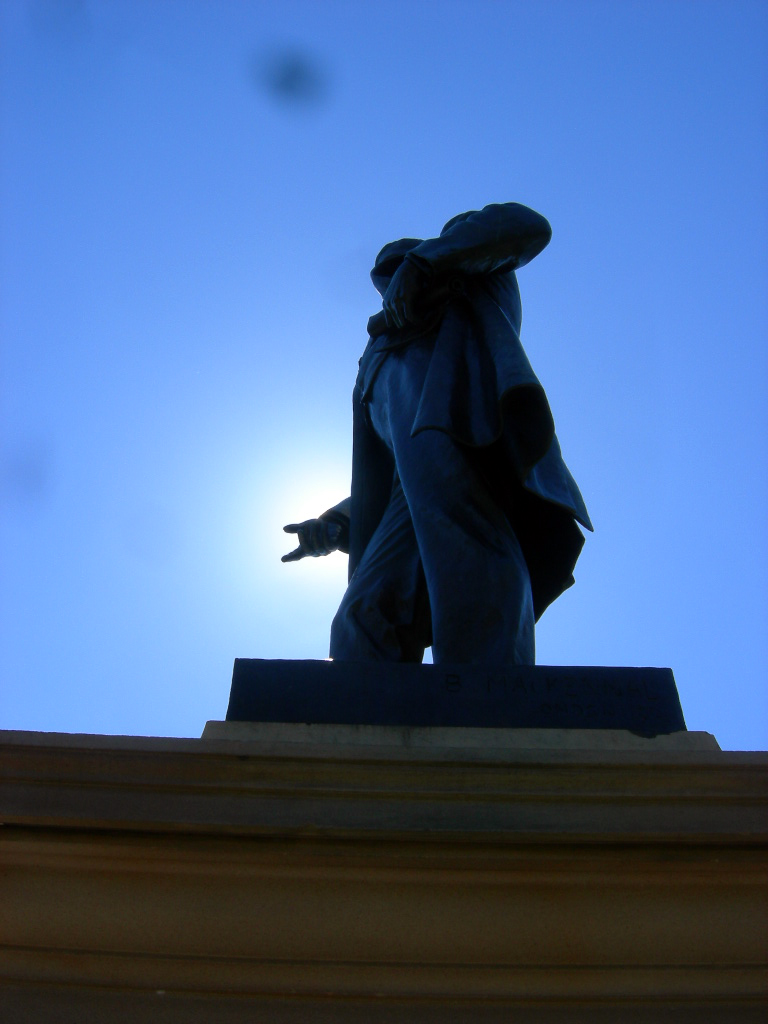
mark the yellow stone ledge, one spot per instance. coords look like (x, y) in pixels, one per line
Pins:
(290, 874)
(291, 780)
(495, 744)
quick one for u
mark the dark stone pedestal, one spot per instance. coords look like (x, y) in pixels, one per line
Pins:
(641, 700)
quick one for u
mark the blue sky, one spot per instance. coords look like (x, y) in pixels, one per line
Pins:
(192, 195)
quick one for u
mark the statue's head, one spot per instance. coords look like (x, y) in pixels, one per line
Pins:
(393, 254)
(389, 259)
(455, 220)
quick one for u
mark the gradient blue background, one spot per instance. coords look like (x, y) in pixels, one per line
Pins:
(192, 195)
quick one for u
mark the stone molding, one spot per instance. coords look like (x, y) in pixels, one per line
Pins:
(315, 880)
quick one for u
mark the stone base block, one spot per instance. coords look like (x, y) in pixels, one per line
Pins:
(641, 700)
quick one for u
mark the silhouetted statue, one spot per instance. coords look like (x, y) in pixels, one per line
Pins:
(461, 527)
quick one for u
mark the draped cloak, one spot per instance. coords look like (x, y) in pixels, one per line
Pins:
(480, 389)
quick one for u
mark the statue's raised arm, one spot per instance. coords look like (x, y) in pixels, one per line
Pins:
(499, 238)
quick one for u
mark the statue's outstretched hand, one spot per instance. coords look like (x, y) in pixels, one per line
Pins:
(316, 537)
(402, 295)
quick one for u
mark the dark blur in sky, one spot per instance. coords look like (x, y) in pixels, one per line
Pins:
(192, 196)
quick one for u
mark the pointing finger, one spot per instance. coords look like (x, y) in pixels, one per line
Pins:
(297, 527)
(293, 556)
